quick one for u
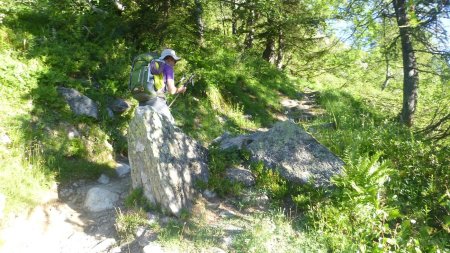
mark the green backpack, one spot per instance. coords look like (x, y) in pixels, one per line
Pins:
(146, 76)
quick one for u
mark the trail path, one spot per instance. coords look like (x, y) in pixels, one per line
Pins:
(63, 224)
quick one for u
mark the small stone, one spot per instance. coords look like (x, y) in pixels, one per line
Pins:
(99, 199)
(152, 248)
(139, 231)
(119, 106)
(79, 103)
(209, 194)
(227, 214)
(72, 132)
(213, 206)
(227, 241)
(110, 112)
(115, 250)
(4, 139)
(152, 218)
(103, 179)
(122, 169)
(165, 220)
(65, 193)
(241, 175)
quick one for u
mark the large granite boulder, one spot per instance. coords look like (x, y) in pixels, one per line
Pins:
(165, 162)
(292, 151)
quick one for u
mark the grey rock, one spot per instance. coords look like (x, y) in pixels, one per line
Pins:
(103, 179)
(227, 241)
(238, 142)
(4, 139)
(122, 169)
(209, 194)
(99, 199)
(79, 103)
(65, 193)
(153, 247)
(110, 112)
(298, 156)
(293, 152)
(152, 218)
(225, 135)
(240, 175)
(227, 214)
(231, 229)
(119, 106)
(164, 162)
(115, 250)
(139, 231)
(72, 132)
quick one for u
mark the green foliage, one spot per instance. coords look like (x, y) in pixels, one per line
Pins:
(270, 181)
(389, 196)
(137, 200)
(274, 233)
(218, 162)
(128, 223)
(394, 192)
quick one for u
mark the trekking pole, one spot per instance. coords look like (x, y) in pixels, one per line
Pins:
(190, 80)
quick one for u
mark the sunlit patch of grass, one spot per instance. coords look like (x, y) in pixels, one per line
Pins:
(23, 176)
(232, 112)
(24, 179)
(127, 223)
(274, 232)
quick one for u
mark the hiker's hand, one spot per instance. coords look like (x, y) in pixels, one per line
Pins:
(181, 89)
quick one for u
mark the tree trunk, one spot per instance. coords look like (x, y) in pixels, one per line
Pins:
(234, 18)
(410, 72)
(269, 52)
(388, 74)
(198, 12)
(250, 29)
(165, 9)
(280, 51)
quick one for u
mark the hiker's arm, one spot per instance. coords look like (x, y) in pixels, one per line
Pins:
(173, 89)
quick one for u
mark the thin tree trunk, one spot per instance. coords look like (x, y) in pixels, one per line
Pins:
(198, 12)
(269, 52)
(388, 74)
(250, 29)
(234, 18)
(386, 56)
(165, 8)
(223, 18)
(280, 52)
(410, 72)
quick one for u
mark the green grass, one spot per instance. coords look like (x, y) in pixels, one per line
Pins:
(23, 176)
(393, 195)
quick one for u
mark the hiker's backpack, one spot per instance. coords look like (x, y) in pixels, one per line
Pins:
(146, 76)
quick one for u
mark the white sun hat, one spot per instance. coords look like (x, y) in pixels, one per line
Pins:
(169, 52)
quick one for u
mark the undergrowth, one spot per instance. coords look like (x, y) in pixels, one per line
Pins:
(392, 196)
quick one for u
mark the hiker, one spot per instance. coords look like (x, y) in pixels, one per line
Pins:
(159, 103)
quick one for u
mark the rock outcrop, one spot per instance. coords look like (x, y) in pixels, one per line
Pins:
(292, 151)
(164, 162)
